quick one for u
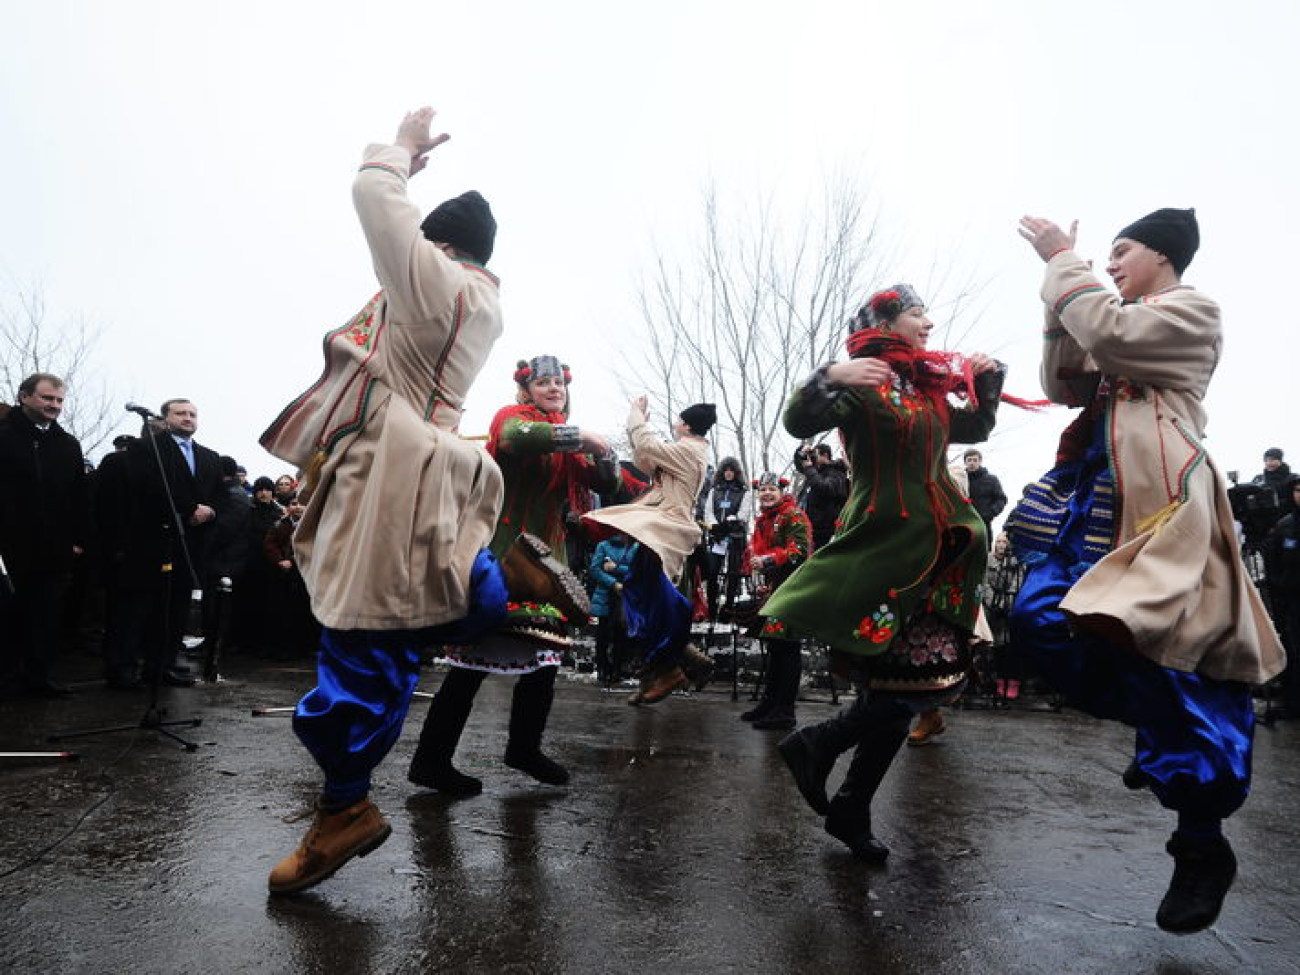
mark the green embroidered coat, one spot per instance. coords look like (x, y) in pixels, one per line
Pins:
(540, 467)
(908, 539)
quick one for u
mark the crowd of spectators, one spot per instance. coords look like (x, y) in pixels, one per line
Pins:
(110, 560)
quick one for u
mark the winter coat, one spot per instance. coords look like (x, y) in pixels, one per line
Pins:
(136, 534)
(44, 496)
(399, 505)
(986, 494)
(782, 541)
(228, 548)
(826, 488)
(662, 519)
(1174, 587)
(620, 551)
(539, 473)
(1282, 559)
(728, 501)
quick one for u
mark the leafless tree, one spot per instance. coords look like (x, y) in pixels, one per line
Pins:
(761, 301)
(29, 343)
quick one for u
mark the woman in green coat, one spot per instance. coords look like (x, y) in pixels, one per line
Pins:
(546, 463)
(894, 593)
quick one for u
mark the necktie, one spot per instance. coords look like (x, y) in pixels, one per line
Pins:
(187, 449)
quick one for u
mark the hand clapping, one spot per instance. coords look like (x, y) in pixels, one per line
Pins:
(1046, 237)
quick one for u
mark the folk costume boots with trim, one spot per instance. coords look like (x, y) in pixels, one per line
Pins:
(333, 839)
(534, 575)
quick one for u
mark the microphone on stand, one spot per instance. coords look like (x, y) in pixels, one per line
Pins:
(143, 411)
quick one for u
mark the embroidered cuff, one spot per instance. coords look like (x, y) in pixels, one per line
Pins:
(565, 438)
(819, 393)
(383, 167)
(1063, 302)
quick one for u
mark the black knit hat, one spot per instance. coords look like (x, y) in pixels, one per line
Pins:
(700, 417)
(1173, 233)
(1273, 453)
(263, 483)
(465, 222)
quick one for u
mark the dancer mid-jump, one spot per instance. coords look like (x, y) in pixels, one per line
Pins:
(399, 507)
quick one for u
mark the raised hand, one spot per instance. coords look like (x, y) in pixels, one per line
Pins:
(1046, 237)
(413, 136)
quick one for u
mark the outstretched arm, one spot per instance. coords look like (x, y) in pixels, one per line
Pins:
(418, 279)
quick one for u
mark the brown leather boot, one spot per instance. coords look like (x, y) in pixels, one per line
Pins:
(534, 575)
(661, 682)
(698, 665)
(929, 727)
(333, 840)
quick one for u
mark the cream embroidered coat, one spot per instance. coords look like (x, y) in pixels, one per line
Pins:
(662, 519)
(1174, 588)
(399, 504)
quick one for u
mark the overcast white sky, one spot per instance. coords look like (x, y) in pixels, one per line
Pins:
(180, 172)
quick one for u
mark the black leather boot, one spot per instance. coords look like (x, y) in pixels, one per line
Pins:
(810, 753)
(784, 667)
(1203, 873)
(529, 708)
(884, 729)
(431, 765)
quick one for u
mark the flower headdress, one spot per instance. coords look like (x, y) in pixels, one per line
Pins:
(539, 367)
(883, 308)
(769, 478)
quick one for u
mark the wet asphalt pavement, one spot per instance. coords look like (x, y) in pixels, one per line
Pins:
(681, 845)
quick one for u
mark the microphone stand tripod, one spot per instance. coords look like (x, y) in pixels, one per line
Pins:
(153, 718)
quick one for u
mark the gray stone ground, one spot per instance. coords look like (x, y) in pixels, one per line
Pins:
(680, 846)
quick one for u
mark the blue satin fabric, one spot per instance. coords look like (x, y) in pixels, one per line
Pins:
(1194, 734)
(365, 679)
(658, 615)
(351, 719)
(487, 605)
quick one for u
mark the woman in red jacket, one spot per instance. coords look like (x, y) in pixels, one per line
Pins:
(782, 541)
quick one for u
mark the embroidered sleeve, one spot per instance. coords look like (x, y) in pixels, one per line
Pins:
(524, 437)
(815, 406)
(565, 438)
(794, 533)
(1171, 340)
(974, 423)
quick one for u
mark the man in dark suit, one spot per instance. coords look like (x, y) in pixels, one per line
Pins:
(157, 558)
(43, 527)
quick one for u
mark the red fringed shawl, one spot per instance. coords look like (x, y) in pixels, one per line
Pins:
(935, 374)
(567, 470)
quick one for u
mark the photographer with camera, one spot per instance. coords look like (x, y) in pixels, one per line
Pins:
(825, 489)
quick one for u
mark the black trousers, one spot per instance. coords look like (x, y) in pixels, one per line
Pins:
(530, 707)
(30, 627)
